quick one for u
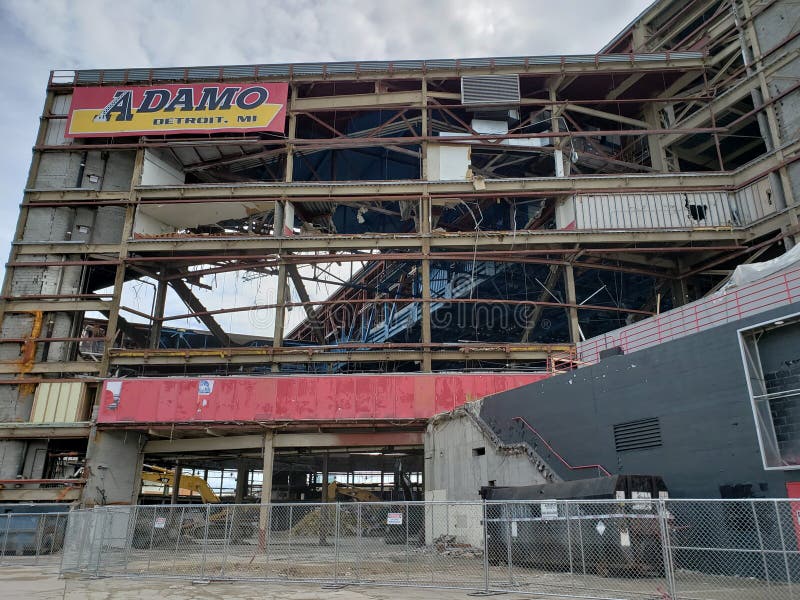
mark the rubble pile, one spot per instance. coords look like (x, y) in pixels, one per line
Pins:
(446, 545)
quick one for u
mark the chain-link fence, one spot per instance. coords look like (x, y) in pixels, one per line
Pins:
(633, 549)
(31, 538)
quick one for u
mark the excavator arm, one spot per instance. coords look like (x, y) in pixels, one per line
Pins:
(188, 482)
(334, 487)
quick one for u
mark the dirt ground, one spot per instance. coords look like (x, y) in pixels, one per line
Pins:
(43, 583)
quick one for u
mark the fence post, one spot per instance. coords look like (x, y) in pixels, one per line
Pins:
(134, 518)
(358, 541)
(485, 548)
(336, 544)
(270, 515)
(228, 537)
(666, 547)
(205, 542)
(152, 536)
(408, 561)
(41, 527)
(178, 537)
(83, 537)
(783, 549)
(569, 542)
(5, 537)
(509, 539)
(760, 542)
(100, 544)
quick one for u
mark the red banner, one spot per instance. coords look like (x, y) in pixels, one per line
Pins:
(296, 398)
(110, 111)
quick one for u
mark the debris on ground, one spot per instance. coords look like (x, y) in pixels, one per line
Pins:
(446, 545)
(313, 522)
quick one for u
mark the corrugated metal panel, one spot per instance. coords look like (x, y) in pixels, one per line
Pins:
(211, 73)
(61, 104)
(667, 210)
(490, 89)
(56, 128)
(59, 402)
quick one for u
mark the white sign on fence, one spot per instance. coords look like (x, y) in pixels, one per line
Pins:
(394, 519)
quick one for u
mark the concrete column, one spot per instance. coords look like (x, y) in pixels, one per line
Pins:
(114, 467)
(572, 312)
(265, 513)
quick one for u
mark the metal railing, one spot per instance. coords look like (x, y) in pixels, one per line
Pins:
(29, 538)
(614, 549)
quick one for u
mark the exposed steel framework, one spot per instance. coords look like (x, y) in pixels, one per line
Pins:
(678, 121)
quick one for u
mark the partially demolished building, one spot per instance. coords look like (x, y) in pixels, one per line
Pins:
(388, 240)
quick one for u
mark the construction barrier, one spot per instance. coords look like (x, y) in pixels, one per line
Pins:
(615, 549)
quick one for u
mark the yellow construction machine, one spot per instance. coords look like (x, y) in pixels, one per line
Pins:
(157, 526)
(357, 494)
(193, 483)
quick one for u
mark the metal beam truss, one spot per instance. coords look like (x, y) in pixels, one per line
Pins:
(628, 170)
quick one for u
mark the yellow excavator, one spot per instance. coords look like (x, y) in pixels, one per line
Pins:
(193, 483)
(357, 494)
(157, 528)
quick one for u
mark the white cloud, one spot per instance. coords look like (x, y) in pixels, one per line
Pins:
(36, 36)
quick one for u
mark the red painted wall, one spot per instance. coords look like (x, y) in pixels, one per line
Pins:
(296, 398)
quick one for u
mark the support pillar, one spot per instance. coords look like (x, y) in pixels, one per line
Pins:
(425, 274)
(558, 155)
(264, 517)
(572, 311)
(158, 313)
(680, 293)
(658, 156)
(280, 313)
(114, 467)
(242, 471)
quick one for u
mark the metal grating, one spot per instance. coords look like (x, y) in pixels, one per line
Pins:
(637, 435)
(490, 89)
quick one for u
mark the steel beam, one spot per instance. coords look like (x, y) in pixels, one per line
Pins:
(284, 440)
(56, 306)
(40, 495)
(192, 302)
(52, 367)
(191, 357)
(29, 431)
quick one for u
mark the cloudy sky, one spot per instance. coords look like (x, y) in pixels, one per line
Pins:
(37, 36)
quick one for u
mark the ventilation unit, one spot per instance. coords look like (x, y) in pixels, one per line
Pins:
(637, 435)
(490, 89)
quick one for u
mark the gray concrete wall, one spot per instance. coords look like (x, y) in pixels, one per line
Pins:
(460, 458)
(107, 171)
